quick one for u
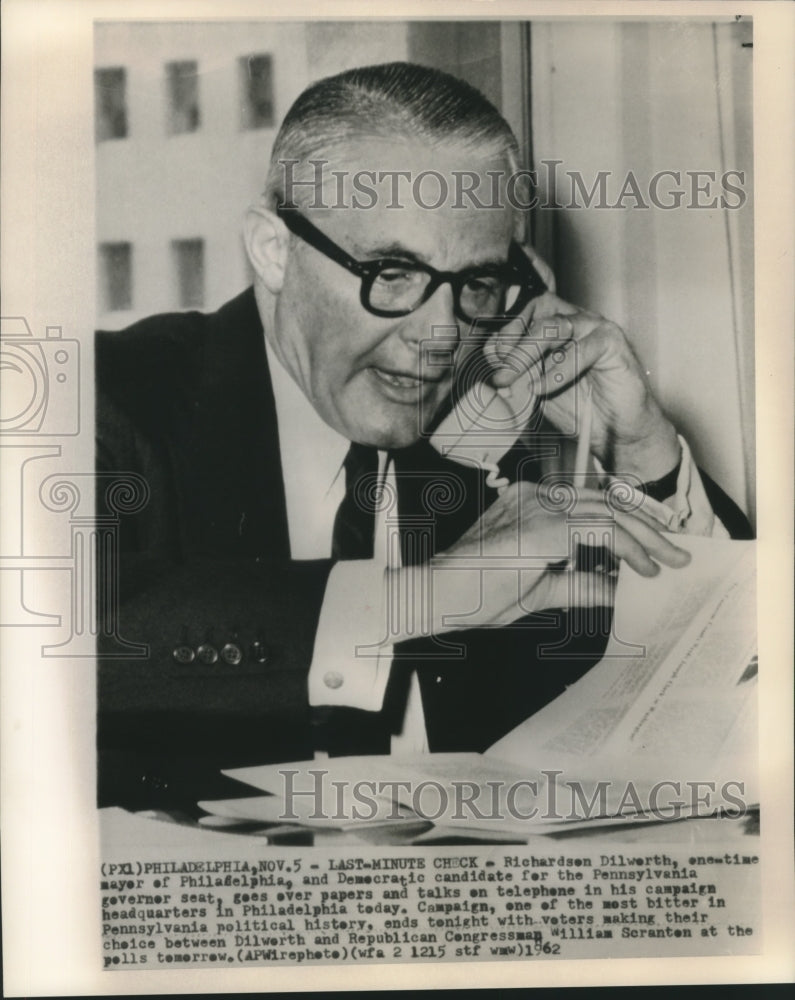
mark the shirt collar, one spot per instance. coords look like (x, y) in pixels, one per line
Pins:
(305, 439)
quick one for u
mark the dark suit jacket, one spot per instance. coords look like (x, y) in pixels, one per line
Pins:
(185, 400)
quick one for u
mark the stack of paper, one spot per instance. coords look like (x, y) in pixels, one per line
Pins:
(662, 728)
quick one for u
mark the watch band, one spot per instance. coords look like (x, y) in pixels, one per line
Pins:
(663, 488)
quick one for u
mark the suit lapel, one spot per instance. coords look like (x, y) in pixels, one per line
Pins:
(228, 451)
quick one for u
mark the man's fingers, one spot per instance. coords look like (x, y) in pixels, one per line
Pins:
(546, 493)
(527, 355)
(563, 364)
(566, 590)
(545, 317)
(502, 345)
(635, 511)
(546, 348)
(635, 536)
(627, 547)
(653, 541)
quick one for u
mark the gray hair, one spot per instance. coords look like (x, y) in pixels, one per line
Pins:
(388, 100)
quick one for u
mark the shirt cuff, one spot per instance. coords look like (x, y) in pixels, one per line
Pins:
(688, 511)
(351, 659)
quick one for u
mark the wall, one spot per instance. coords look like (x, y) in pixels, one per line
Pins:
(647, 97)
(153, 187)
(614, 96)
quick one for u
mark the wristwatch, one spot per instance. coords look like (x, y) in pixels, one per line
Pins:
(663, 488)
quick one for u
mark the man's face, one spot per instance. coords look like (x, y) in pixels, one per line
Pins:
(368, 376)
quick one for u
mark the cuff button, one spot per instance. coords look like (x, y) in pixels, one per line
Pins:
(231, 654)
(207, 653)
(183, 654)
(333, 679)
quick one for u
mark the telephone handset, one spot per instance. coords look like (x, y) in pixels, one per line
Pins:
(484, 425)
(485, 422)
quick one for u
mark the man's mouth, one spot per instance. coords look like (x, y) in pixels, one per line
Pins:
(399, 379)
(402, 386)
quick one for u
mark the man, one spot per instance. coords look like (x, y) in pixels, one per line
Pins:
(287, 614)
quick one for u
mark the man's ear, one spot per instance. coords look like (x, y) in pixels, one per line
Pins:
(267, 240)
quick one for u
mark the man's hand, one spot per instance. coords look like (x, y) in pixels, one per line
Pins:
(515, 559)
(630, 434)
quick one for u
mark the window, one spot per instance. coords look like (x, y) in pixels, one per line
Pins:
(189, 264)
(110, 103)
(115, 276)
(256, 73)
(182, 82)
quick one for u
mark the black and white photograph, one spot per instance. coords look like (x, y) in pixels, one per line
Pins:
(396, 453)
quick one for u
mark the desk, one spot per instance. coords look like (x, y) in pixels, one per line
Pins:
(120, 829)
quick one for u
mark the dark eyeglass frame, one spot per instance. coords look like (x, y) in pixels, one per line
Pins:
(517, 270)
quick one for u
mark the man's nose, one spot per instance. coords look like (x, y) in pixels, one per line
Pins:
(419, 326)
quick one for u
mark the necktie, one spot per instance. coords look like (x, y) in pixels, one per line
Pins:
(354, 522)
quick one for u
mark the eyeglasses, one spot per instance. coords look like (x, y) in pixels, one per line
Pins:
(393, 287)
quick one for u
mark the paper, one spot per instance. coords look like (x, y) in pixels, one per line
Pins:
(672, 703)
(686, 694)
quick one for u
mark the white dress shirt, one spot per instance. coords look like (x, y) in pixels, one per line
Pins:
(351, 661)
